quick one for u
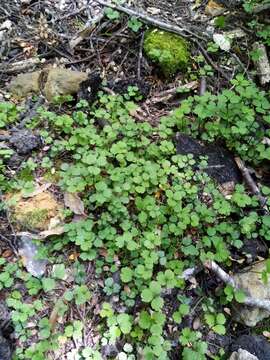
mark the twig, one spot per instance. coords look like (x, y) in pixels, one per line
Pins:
(88, 28)
(140, 57)
(227, 279)
(210, 61)
(9, 242)
(183, 31)
(251, 183)
(259, 8)
(21, 65)
(262, 64)
(167, 94)
(203, 86)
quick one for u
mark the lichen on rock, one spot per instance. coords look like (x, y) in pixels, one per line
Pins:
(35, 213)
(251, 282)
(169, 51)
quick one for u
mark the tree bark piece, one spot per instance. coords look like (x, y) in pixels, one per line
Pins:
(262, 64)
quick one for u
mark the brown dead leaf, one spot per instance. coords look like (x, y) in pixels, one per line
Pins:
(73, 256)
(227, 311)
(103, 252)
(7, 253)
(214, 9)
(74, 203)
(196, 323)
(266, 334)
(227, 189)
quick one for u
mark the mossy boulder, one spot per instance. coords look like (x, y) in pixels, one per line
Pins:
(169, 51)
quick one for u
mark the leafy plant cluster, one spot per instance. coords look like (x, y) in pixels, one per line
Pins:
(239, 118)
(151, 215)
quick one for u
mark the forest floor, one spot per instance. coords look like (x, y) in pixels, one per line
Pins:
(122, 204)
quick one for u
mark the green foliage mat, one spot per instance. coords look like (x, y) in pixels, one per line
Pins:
(152, 212)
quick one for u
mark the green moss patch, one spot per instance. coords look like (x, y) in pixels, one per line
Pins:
(168, 50)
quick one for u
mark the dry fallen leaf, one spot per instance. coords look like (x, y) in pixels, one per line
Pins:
(7, 253)
(214, 9)
(266, 334)
(74, 203)
(196, 323)
(73, 256)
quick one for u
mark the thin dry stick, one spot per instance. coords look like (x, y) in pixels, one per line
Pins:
(167, 94)
(259, 8)
(203, 86)
(140, 57)
(262, 64)
(183, 31)
(251, 183)
(227, 279)
(150, 20)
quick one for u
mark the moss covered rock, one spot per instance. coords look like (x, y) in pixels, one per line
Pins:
(168, 50)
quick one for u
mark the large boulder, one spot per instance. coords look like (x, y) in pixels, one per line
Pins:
(251, 282)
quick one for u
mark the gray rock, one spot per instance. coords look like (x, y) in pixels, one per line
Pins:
(258, 346)
(250, 281)
(25, 141)
(242, 355)
(28, 250)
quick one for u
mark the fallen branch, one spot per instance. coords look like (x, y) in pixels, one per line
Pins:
(21, 65)
(262, 64)
(259, 8)
(167, 94)
(227, 279)
(251, 183)
(140, 56)
(203, 86)
(86, 31)
(183, 31)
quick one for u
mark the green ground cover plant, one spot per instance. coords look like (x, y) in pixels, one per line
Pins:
(153, 212)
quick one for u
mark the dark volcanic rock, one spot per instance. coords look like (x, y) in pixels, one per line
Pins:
(15, 161)
(25, 141)
(109, 351)
(255, 345)
(5, 349)
(221, 164)
(89, 88)
(121, 86)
